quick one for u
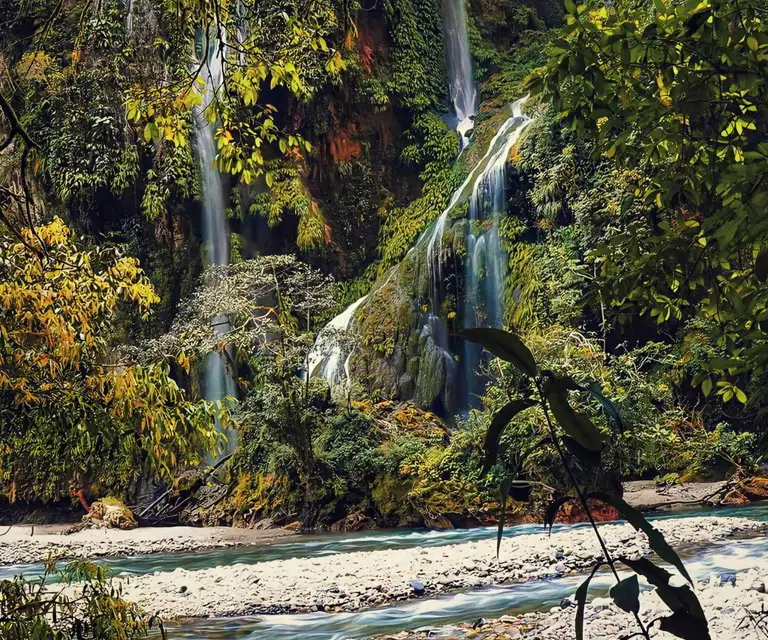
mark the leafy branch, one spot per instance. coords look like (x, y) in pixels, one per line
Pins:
(578, 436)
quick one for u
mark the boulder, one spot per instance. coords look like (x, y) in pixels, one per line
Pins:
(437, 521)
(356, 521)
(110, 513)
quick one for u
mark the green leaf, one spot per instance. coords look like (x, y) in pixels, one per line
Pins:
(500, 421)
(570, 7)
(587, 457)
(505, 485)
(752, 43)
(504, 345)
(626, 594)
(575, 424)
(682, 601)
(581, 601)
(655, 538)
(683, 626)
(723, 363)
(706, 386)
(550, 515)
(609, 407)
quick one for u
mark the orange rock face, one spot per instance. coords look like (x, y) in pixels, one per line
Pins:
(756, 488)
(574, 512)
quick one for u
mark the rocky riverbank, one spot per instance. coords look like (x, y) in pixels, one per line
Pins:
(364, 579)
(27, 544)
(736, 606)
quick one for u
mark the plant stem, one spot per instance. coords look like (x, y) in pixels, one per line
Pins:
(582, 498)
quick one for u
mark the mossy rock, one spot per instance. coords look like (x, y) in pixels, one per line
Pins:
(110, 513)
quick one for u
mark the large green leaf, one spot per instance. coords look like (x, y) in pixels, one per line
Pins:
(500, 421)
(553, 508)
(655, 537)
(626, 594)
(685, 626)
(688, 619)
(566, 383)
(505, 485)
(504, 345)
(581, 601)
(586, 456)
(610, 409)
(575, 424)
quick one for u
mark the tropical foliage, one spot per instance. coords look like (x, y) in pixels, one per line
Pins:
(579, 444)
(632, 229)
(676, 96)
(64, 401)
(31, 609)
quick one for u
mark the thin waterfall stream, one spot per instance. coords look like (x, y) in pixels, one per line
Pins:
(218, 381)
(483, 277)
(460, 81)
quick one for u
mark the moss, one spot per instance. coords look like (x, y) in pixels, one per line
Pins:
(390, 496)
(263, 494)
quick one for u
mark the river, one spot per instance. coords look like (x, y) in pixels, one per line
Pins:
(731, 556)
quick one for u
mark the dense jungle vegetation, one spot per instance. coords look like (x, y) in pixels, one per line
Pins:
(635, 231)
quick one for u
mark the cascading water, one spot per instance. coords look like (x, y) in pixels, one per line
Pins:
(486, 262)
(478, 298)
(129, 15)
(218, 382)
(461, 84)
(329, 357)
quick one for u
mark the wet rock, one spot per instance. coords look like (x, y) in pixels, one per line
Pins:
(357, 521)
(417, 586)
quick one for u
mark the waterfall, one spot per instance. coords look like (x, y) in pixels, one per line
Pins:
(129, 15)
(486, 263)
(480, 296)
(218, 382)
(330, 356)
(461, 84)
(487, 180)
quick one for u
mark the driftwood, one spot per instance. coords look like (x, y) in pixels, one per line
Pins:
(729, 487)
(167, 508)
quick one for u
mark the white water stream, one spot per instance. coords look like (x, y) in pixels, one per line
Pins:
(460, 81)
(218, 382)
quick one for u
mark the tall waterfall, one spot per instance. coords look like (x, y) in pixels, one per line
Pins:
(479, 297)
(461, 83)
(486, 261)
(129, 15)
(218, 382)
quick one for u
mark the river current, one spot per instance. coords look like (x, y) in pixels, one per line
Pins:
(730, 556)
